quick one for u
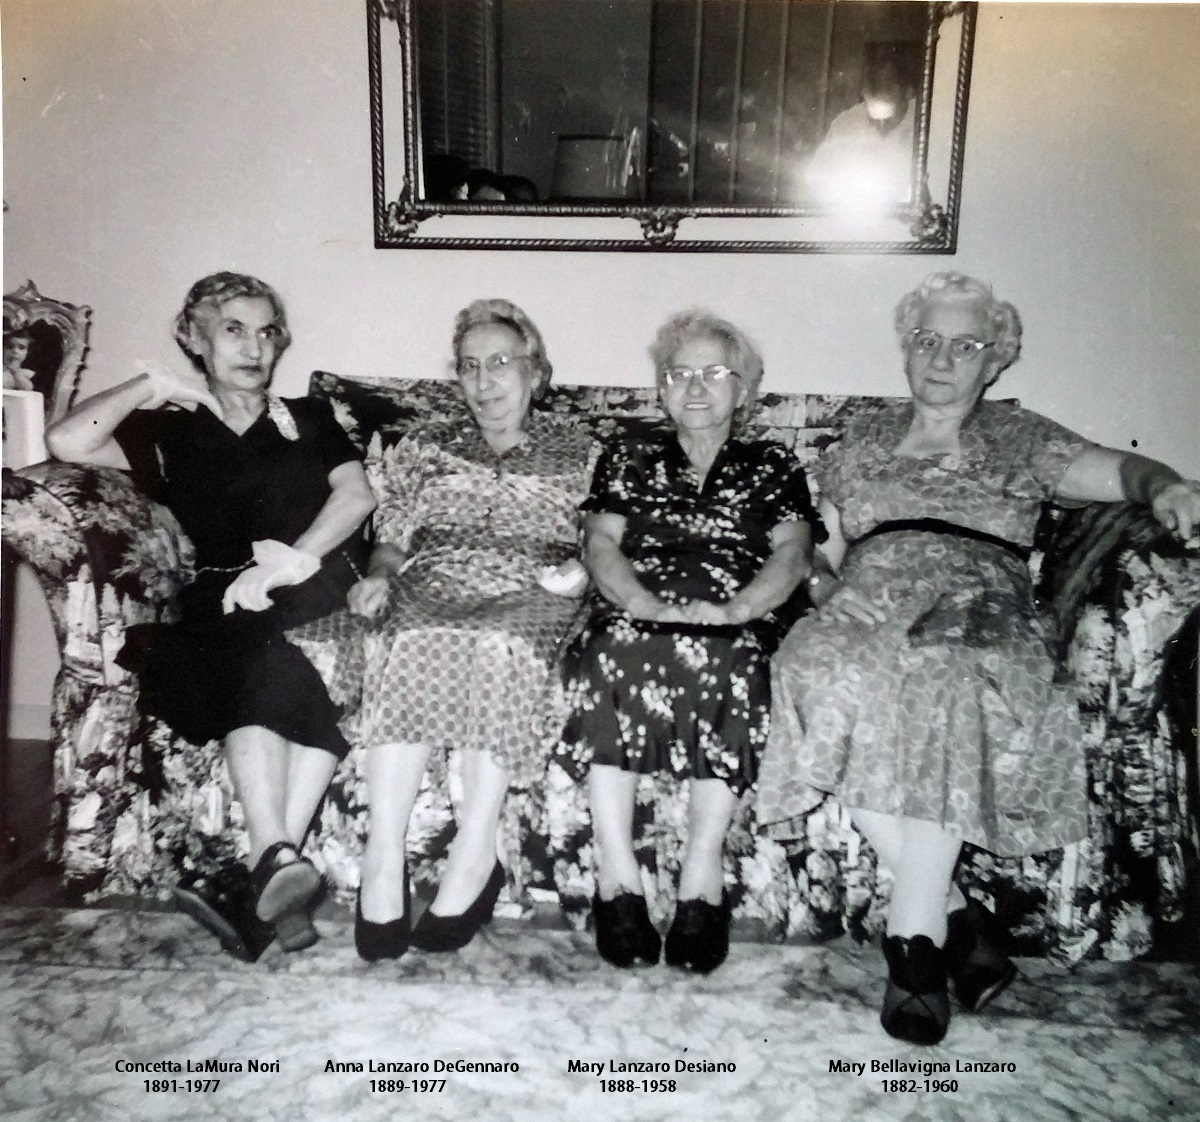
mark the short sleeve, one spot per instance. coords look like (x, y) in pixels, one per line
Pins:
(139, 437)
(329, 440)
(830, 470)
(784, 490)
(613, 482)
(397, 476)
(1050, 449)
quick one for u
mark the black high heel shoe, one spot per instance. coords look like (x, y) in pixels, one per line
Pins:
(451, 933)
(698, 939)
(375, 941)
(624, 933)
(978, 968)
(916, 1006)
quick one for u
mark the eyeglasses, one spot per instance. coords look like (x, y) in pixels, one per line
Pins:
(962, 347)
(711, 376)
(497, 365)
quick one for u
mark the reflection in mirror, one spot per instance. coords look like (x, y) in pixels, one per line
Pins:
(724, 102)
(660, 110)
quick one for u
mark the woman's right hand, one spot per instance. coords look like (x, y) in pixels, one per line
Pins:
(167, 384)
(645, 605)
(368, 597)
(850, 605)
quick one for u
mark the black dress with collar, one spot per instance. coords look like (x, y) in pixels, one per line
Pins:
(211, 673)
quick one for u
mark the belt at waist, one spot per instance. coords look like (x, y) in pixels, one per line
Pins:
(949, 529)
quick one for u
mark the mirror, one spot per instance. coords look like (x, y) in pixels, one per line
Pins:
(686, 125)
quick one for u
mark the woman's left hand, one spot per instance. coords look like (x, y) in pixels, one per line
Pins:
(1177, 507)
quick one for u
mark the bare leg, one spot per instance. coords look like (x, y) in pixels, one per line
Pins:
(473, 853)
(258, 766)
(394, 773)
(921, 856)
(309, 772)
(710, 810)
(611, 792)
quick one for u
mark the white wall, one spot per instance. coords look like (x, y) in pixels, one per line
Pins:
(148, 143)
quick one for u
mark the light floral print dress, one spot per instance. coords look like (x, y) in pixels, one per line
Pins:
(953, 709)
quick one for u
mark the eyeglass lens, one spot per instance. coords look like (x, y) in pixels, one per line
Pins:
(709, 375)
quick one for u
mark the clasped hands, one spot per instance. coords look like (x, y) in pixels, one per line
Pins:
(706, 613)
(275, 565)
(369, 596)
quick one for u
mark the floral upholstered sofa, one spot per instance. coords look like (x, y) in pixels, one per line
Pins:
(136, 807)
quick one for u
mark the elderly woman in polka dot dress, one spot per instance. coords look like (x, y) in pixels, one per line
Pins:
(455, 632)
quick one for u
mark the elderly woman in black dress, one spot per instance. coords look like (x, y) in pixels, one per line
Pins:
(695, 537)
(923, 695)
(273, 496)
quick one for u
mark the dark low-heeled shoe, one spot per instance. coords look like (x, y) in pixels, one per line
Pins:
(451, 933)
(375, 941)
(284, 885)
(698, 939)
(222, 901)
(916, 1006)
(979, 970)
(624, 933)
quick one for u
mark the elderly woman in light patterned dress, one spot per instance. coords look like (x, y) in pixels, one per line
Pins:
(923, 695)
(454, 634)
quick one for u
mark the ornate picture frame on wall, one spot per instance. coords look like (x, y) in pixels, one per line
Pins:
(745, 126)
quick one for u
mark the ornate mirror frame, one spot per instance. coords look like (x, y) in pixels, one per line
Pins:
(58, 343)
(403, 219)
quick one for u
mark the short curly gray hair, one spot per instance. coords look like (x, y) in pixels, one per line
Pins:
(504, 313)
(741, 353)
(209, 293)
(1003, 321)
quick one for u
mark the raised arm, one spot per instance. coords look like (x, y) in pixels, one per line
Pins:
(85, 434)
(1107, 475)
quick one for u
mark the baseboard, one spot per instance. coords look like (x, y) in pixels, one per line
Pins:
(29, 722)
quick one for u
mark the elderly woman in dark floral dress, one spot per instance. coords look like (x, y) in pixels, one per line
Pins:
(696, 536)
(923, 695)
(455, 633)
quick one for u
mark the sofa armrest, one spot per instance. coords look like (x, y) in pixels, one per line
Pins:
(1126, 593)
(1115, 558)
(105, 555)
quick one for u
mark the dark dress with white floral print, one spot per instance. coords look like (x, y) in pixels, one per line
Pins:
(212, 672)
(690, 700)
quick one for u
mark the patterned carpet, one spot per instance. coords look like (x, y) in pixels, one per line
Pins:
(86, 992)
